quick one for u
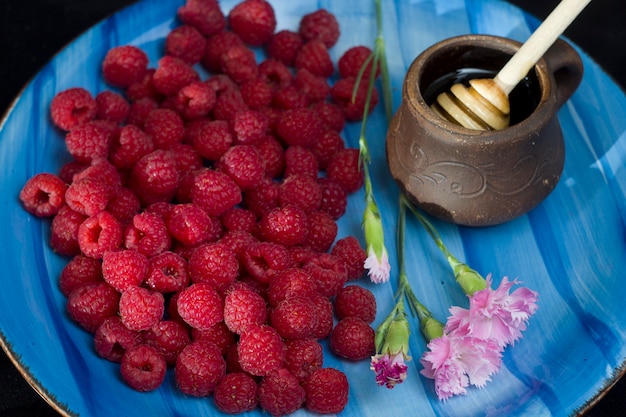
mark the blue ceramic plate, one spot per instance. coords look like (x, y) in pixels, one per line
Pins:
(570, 249)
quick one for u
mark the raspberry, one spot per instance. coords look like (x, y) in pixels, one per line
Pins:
(143, 88)
(215, 192)
(216, 45)
(219, 334)
(147, 234)
(172, 74)
(243, 308)
(99, 234)
(301, 254)
(167, 273)
(206, 16)
(141, 308)
(124, 268)
(331, 115)
(300, 127)
(239, 64)
(168, 337)
(264, 259)
(238, 218)
(43, 195)
(190, 225)
(284, 46)
(287, 225)
(314, 57)
(353, 59)
(232, 360)
(79, 271)
(124, 65)
(303, 357)
(256, 94)
(261, 350)
(328, 271)
(112, 339)
(236, 393)
(326, 391)
(302, 191)
(350, 250)
(334, 198)
(64, 231)
(69, 169)
(353, 106)
(254, 21)
(324, 316)
(228, 104)
(210, 138)
(214, 264)
(187, 43)
(195, 100)
(72, 107)
(165, 127)
(280, 393)
(143, 368)
(273, 156)
(322, 231)
(300, 160)
(328, 144)
(244, 165)
(344, 168)
(199, 368)
(111, 106)
(102, 170)
(88, 141)
(123, 205)
(90, 304)
(88, 196)
(187, 158)
(238, 241)
(291, 282)
(200, 306)
(294, 318)
(355, 301)
(275, 73)
(249, 127)
(139, 110)
(289, 97)
(263, 198)
(154, 177)
(353, 339)
(315, 87)
(321, 25)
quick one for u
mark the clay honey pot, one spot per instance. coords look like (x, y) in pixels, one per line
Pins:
(472, 177)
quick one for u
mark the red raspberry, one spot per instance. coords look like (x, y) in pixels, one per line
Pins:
(321, 25)
(353, 339)
(211, 138)
(64, 231)
(287, 225)
(294, 318)
(284, 46)
(190, 225)
(302, 191)
(228, 104)
(215, 192)
(289, 97)
(88, 141)
(350, 250)
(111, 106)
(264, 259)
(102, 170)
(187, 158)
(124, 205)
(315, 87)
(143, 88)
(254, 21)
(327, 146)
(300, 160)
(88, 196)
(323, 231)
(79, 271)
(141, 308)
(243, 308)
(236, 393)
(195, 100)
(249, 127)
(147, 234)
(187, 43)
(172, 74)
(326, 391)
(355, 301)
(72, 107)
(124, 65)
(263, 198)
(69, 169)
(199, 368)
(256, 94)
(314, 56)
(325, 321)
(334, 198)
(219, 334)
(344, 168)
(140, 109)
(261, 350)
(200, 306)
(275, 73)
(165, 127)
(300, 127)
(155, 177)
(99, 234)
(89, 305)
(352, 61)
(353, 106)
(238, 241)
(280, 393)
(168, 337)
(244, 165)
(216, 45)
(124, 268)
(143, 368)
(43, 195)
(232, 360)
(239, 63)
(167, 273)
(331, 115)
(301, 254)
(328, 271)
(206, 16)
(303, 356)
(112, 339)
(214, 264)
(238, 218)
(273, 155)
(291, 282)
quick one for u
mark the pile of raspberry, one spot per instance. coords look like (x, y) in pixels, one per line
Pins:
(199, 212)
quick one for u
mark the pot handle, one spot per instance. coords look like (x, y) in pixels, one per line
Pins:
(566, 66)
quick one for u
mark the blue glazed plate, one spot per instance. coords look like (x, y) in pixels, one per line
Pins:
(570, 249)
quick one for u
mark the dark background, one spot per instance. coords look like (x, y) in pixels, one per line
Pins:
(32, 31)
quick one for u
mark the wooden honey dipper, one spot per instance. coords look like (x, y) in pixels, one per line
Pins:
(484, 105)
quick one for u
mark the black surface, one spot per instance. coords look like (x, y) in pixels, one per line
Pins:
(32, 31)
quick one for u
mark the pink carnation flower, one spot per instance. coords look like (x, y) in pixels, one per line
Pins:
(390, 369)
(494, 314)
(379, 269)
